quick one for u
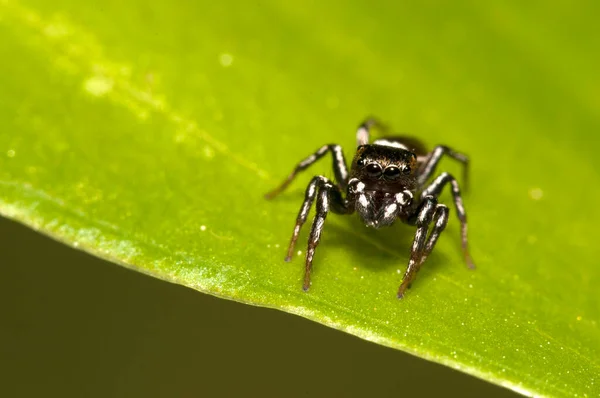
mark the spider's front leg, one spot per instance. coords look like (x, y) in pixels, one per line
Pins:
(440, 220)
(434, 189)
(420, 247)
(340, 168)
(329, 197)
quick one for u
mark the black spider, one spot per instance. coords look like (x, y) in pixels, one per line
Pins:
(384, 179)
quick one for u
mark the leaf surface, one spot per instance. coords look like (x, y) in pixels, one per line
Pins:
(148, 133)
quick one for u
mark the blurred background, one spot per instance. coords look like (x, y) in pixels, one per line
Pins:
(77, 326)
(520, 78)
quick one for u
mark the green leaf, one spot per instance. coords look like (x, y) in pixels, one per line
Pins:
(148, 134)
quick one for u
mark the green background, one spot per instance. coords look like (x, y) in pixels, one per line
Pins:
(147, 133)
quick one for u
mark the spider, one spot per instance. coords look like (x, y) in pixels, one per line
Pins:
(387, 181)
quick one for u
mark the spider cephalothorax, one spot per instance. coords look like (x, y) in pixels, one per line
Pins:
(385, 167)
(387, 182)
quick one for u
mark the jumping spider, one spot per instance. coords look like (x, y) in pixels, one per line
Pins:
(387, 181)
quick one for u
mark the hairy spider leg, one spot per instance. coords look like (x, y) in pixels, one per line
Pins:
(338, 205)
(363, 132)
(339, 168)
(315, 233)
(329, 197)
(309, 197)
(425, 213)
(435, 188)
(428, 167)
(440, 219)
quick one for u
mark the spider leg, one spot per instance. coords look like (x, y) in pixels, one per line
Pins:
(440, 218)
(315, 234)
(430, 163)
(339, 168)
(434, 189)
(309, 197)
(424, 216)
(329, 197)
(363, 132)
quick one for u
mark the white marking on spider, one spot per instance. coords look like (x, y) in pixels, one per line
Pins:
(362, 199)
(362, 136)
(325, 201)
(392, 144)
(390, 210)
(404, 197)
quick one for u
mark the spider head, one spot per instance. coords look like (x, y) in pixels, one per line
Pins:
(385, 168)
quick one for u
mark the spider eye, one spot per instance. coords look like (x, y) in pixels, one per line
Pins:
(391, 172)
(360, 162)
(373, 170)
(406, 169)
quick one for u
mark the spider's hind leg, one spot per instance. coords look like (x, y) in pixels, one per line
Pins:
(364, 130)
